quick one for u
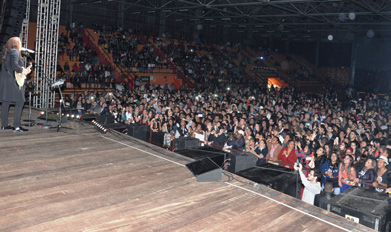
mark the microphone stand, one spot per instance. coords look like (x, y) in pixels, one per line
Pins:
(30, 88)
(30, 122)
(46, 125)
(59, 126)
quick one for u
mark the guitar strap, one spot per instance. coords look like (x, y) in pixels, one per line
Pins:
(6, 69)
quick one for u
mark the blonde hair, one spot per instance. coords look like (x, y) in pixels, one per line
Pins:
(12, 43)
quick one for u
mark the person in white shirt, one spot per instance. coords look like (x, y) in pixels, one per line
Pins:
(311, 184)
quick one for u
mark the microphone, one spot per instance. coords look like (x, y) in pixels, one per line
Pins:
(27, 50)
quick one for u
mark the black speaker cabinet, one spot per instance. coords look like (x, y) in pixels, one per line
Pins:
(279, 178)
(88, 117)
(11, 19)
(186, 143)
(205, 170)
(139, 131)
(157, 138)
(120, 127)
(240, 161)
(367, 207)
(103, 119)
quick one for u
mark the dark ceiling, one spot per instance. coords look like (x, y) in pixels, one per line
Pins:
(295, 19)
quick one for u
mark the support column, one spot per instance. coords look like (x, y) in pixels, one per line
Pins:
(121, 14)
(317, 53)
(24, 33)
(353, 63)
(46, 52)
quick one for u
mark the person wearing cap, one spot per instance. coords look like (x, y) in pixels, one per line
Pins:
(237, 142)
(381, 176)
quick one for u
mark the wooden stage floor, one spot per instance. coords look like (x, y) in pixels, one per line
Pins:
(81, 180)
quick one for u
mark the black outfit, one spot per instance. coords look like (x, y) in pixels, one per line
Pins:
(218, 140)
(322, 199)
(262, 152)
(10, 93)
(237, 144)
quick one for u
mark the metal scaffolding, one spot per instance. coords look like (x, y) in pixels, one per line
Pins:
(24, 33)
(48, 19)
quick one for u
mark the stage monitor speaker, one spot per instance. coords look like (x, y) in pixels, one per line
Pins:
(104, 119)
(186, 143)
(205, 170)
(367, 207)
(279, 178)
(139, 131)
(88, 117)
(120, 127)
(241, 161)
(217, 155)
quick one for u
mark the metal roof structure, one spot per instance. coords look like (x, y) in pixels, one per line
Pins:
(293, 19)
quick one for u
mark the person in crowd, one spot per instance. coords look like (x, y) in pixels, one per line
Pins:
(330, 171)
(288, 155)
(367, 175)
(236, 141)
(274, 148)
(95, 108)
(217, 138)
(259, 150)
(347, 173)
(322, 198)
(311, 183)
(381, 176)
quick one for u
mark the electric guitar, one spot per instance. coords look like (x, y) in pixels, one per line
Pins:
(20, 77)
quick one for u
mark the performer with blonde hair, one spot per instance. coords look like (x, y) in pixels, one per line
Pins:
(10, 92)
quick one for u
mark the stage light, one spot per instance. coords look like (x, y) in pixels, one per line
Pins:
(99, 126)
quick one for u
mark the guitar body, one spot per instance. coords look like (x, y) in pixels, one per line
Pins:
(20, 77)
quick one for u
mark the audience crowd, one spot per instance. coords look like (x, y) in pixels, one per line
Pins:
(346, 141)
(337, 143)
